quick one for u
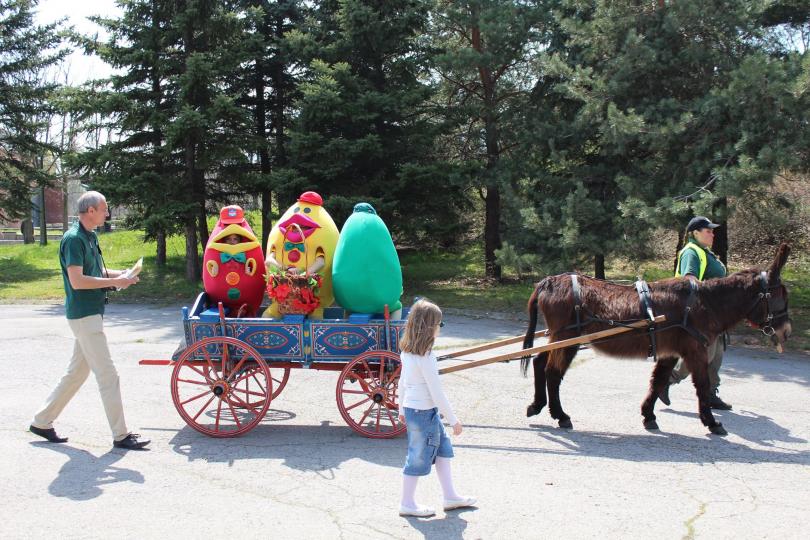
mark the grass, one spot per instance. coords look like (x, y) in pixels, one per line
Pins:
(30, 273)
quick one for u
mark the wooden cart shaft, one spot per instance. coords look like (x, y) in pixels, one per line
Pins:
(579, 340)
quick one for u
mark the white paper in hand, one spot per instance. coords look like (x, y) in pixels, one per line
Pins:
(135, 270)
(132, 272)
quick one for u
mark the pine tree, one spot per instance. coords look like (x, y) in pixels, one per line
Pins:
(364, 129)
(26, 51)
(651, 112)
(139, 168)
(268, 90)
(184, 138)
(484, 48)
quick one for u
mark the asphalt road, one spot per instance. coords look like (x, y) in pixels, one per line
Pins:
(304, 474)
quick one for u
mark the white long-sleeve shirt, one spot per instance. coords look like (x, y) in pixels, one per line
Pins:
(420, 387)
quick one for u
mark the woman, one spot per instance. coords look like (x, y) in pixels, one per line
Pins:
(696, 261)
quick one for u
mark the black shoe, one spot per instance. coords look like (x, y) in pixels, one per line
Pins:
(131, 442)
(663, 394)
(49, 434)
(716, 403)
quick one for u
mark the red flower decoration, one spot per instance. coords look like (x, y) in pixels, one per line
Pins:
(295, 293)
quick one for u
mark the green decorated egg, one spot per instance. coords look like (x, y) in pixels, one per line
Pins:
(366, 274)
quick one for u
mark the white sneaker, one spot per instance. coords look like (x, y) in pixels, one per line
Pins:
(463, 502)
(419, 511)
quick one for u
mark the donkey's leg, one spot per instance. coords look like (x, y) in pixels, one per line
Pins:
(539, 368)
(558, 364)
(658, 382)
(698, 365)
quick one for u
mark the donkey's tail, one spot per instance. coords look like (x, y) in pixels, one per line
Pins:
(528, 341)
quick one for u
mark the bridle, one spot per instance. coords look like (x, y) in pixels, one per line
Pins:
(764, 298)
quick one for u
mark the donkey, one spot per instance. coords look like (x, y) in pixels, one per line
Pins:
(696, 314)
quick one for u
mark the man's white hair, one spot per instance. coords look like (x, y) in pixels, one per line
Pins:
(91, 199)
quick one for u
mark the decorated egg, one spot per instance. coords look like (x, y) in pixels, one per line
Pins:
(233, 264)
(366, 273)
(304, 239)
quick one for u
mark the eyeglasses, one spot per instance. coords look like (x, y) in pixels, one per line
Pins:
(441, 324)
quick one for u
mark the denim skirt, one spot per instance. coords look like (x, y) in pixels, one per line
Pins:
(426, 440)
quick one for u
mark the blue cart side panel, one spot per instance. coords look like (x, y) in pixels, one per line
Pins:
(337, 340)
(271, 339)
(304, 340)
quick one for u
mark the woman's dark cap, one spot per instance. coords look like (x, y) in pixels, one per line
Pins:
(700, 222)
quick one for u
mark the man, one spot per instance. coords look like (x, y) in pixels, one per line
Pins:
(85, 284)
(697, 262)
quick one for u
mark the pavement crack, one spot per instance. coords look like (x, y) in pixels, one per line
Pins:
(690, 523)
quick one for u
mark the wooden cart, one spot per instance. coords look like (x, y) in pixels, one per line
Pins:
(231, 369)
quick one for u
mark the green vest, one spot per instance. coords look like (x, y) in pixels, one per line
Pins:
(704, 262)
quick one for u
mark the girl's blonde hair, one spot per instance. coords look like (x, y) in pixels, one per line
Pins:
(420, 330)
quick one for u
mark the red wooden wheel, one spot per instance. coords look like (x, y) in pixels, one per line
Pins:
(221, 387)
(280, 376)
(367, 394)
(279, 380)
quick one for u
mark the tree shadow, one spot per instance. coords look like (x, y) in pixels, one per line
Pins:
(653, 447)
(770, 366)
(749, 425)
(169, 320)
(82, 478)
(16, 270)
(320, 449)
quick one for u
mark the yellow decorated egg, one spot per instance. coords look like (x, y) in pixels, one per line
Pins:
(304, 239)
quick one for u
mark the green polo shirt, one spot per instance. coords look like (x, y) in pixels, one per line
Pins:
(689, 263)
(79, 247)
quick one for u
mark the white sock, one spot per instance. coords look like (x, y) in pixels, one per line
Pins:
(409, 491)
(446, 479)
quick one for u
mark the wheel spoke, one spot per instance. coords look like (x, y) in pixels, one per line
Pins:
(265, 392)
(361, 392)
(235, 417)
(224, 356)
(248, 392)
(379, 411)
(199, 372)
(219, 411)
(369, 371)
(203, 407)
(250, 372)
(198, 396)
(208, 360)
(365, 415)
(193, 382)
(390, 418)
(244, 404)
(393, 377)
(241, 361)
(365, 385)
(358, 404)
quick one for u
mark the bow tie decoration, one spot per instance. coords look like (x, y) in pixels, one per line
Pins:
(238, 257)
(289, 246)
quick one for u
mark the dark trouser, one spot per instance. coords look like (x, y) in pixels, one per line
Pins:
(715, 354)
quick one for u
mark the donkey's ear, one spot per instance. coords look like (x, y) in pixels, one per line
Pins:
(779, 261)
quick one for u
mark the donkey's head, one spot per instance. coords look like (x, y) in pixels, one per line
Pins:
(770, 312)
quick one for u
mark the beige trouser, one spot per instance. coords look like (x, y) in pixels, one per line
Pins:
(90, 352)
(715, 354)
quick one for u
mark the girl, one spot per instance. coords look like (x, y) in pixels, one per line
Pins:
(421, 398)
